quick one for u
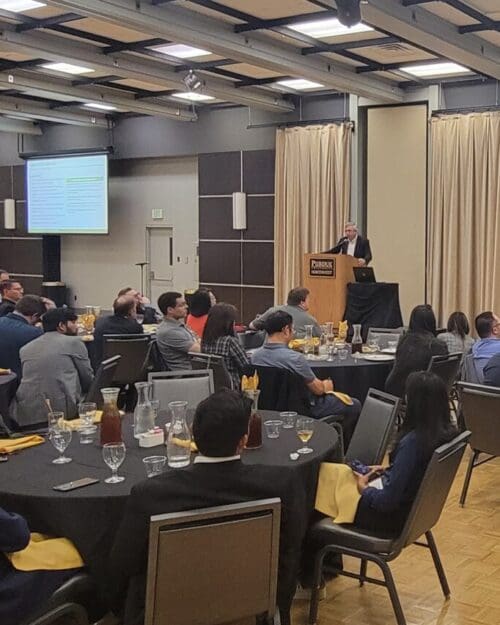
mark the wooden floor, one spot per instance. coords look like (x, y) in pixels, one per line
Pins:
(468, 540)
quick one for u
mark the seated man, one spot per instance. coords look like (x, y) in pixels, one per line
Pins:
(17, 329)
(56, 366)
(143, 305)
(297, 305)
(488, 330)
(11, 292)
(217, 477)
(173, 337)
(123, 321)
(491, 371)
(4, 275)
(276, 353)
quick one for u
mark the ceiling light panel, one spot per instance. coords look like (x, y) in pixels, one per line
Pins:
(17, 6)
(193, 97)
(330, 27)
(100, 107)
(299, 84)
(67, 68)
(181, 51)
(434, 69)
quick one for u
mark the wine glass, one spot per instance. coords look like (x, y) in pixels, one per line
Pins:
(113, 455)
(305, 430)
(60, 436)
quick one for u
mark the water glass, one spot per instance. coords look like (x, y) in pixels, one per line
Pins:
(113, 455)
(55, 420)
(139, 319)
(373, 344)
(154, 465)
(87, 434)
(305, 430)
(273, 428)
(86, 412)
(60, 437)
(331, 353)
(342, 354)
(288, 419)
(392, 345)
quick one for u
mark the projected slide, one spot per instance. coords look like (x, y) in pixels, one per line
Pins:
(68, 195)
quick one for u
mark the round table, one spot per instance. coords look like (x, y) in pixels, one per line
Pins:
(354, 376)
(90, 516)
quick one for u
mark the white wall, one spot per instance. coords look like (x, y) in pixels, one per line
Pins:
(96, 267)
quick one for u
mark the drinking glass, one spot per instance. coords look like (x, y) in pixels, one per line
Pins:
(288, 419)
(273, 428)
(342, 354)
(373, 344)
(113, 455)
(305, 429)
(87, 434)
(60, 436)
(154, 465)
(55, 420)
(139, 319)
(86, 412)
(392, 345)
(331, 353)
(97, 311)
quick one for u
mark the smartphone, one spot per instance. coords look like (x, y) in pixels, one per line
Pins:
(359, 467)
(85, 481)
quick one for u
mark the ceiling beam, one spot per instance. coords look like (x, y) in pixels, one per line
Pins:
(55, 48)
(433, 33)
(471, 12)
(29, 110)
(184, 26)
(48, 22)
(283, 21)
(19, 126)
(350, 45)
(474, 28)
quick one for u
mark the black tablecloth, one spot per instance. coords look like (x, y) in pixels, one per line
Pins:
(373, 305)
(8, 386)
(353, 376)
(90, 516)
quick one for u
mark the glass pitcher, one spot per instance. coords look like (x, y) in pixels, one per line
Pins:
(179, 436)
(255, 425)
(357, 341)
(144, 414)
(111, 424)
(308, 343)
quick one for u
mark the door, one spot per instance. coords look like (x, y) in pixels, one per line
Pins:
(160, 258)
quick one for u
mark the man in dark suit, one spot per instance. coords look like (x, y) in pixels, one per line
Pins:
(353, 244)
(217, 477)
(11, 292)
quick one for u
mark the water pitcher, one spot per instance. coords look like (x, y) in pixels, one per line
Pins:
(357, 341)
(255, 425)
(111, 423)
(179, 436)
(144, 415)
(308, 343)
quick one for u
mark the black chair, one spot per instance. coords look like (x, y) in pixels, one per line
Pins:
(155, 361)
(134, 352)
(447, 368)
(222, 379)
(481, 411)
(103, 379)
(373, 429)
(368, 547)
(251, 339)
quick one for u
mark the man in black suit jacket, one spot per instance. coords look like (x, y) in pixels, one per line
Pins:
(353, 244)
(123, 321)
(217, 477)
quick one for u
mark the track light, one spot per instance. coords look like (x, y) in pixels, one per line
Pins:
(348, 12)
(192, 81)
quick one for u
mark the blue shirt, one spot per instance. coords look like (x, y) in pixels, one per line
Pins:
(492, 371)
(15, 332)
(483, 350)
(281, 356)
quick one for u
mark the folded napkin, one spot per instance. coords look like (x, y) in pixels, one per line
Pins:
(250, 382)
(5, 371)
(10, 445)
(344, 398)
(76, 424)
(337, 493)
(44, 553)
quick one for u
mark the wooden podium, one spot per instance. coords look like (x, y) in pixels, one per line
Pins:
(326, 276)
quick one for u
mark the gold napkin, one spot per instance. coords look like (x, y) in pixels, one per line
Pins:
(337, 493)
(44, 553)
(10, 445)
(344, 398)
(250, 383)
(76, 424)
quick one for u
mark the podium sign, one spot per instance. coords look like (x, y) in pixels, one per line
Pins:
(322, 267)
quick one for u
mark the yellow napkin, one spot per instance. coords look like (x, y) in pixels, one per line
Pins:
(344, 398)
(250, 383)
(10, 445)
(337, 493)
(76, 424)
(44, 553)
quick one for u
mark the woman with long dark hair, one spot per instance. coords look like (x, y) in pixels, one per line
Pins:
(427, 425)
(199, 304)
(415, 349)
(219, 339)
(456, 337)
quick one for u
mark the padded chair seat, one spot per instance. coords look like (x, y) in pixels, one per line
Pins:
(327, 531)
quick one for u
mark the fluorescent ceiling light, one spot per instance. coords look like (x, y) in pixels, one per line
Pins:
(434, 69)
(67, 68)
(193, 97)
(300, 84)
(181, 51)
(99, 106)
(330, 27)
(16, 6)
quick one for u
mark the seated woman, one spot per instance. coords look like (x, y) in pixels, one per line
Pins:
(457, 337)
(219, 339)
(427, 426)
(200, 303)
(415, 349)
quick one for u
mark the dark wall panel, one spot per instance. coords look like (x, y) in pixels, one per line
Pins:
(5, 182)
(220, 173)
(228, 295)
(216, 218)
(260, 218)
(258, 263)
(256, 301)
(32, 286)
(19, 182)
(258, 171)
(220, 260)
(27, 256)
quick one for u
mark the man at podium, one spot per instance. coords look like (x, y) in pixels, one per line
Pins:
(353, 244)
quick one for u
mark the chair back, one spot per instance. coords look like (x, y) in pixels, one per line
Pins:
(201, 362)
(214, 565)
(469, 371)
(103, 379)
(134, 352)
(384, 335)
(251, 339)
(373, 429)
(155, 359)
(433, 490)
(282, 390)
(191, 386)
(481, 412)
(447, 368)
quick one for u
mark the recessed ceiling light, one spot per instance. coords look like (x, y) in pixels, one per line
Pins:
(330, 27)
(194, 97)
(434, 69)
(300, 84)
(99, 106)
(67, 68)
(16, 6)
(181, 51)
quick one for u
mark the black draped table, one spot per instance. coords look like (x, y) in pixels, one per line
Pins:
(8, 386)
(373, 305)
(90, 516)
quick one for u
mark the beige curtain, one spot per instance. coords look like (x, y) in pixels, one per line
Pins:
(464, 215)
(313, 168)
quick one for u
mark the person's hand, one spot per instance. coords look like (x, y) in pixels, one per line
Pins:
(361, 481)
(361, 262)
(376, 468)
(328, 385)
(144, 300)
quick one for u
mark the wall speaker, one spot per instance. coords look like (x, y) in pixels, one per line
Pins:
(239, 211)
(9, 214)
